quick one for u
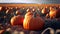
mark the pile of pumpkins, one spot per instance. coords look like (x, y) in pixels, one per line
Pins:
(32, 20)
(51, 12)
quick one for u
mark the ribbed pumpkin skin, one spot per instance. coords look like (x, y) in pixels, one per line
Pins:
(17, 20)
(33, 23)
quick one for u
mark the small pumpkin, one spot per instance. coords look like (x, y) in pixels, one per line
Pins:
(33, 10)
(9, 11)
(44, 11)
(54, 13)
(3, 8)
(18, 12)
(17, 20)
(28, 10)
(1, 31)
(0, 8)
(33, 21)
(22, 11)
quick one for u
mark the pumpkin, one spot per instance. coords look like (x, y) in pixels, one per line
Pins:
(33, 10)
(17, 20)
(18, 12)
(22, 11)
(3, 8)
(28, 10)
(59, 6)
(33, 21)
(44, 11)
(28, 14)
(9, 11)
(0, 8)
(54, 13)
(1, 31)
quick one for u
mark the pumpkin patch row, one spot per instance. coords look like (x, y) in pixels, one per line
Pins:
(30, 18)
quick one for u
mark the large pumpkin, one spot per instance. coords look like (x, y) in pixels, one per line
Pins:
(33, 21)
(17, 20)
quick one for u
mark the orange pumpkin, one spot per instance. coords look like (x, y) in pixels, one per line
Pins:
(9, 11)
(17, 20)
(3, 8)
(33, 22)
(18, 12)
(44, 11)
(1, 31)
(54, 13)
(0, 8)
(28, 10)
(33, 10)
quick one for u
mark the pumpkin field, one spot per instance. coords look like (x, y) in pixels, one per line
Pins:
(26, 19)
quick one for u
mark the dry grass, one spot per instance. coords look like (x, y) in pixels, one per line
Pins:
(20, 5)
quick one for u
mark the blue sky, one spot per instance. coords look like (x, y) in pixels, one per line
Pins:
(31, 1)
